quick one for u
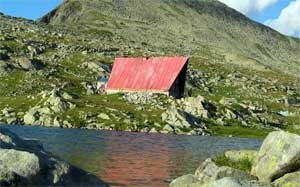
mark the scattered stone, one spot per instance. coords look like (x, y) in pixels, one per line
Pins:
(90, 88)
(28, 64)
(103, 116)
(67, 124)
(153, 130)
(57, 123)
(96, 67)
(167, 129)
(144, 98)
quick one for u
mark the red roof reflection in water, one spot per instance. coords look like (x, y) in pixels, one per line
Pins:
(139, 167)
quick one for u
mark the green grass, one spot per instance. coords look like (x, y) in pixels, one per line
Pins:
(238, 131)
(19, 103)
(105, 104)
(244, 165)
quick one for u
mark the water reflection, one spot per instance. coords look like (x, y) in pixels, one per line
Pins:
(143, 161)
(132, 159)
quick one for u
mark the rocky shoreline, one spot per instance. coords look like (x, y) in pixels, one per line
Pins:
(25, 163)
(276, 164)
(180, 117)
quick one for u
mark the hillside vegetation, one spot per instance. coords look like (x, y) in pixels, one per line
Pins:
(243, 75)
(203, 28)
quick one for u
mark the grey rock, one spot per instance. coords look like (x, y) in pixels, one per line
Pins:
(167, 129)
(184, 181)
(57, 104)
(31, 116)
(6, 139)
(226, 181)
(26, 63)
(195, 106)
(103, 116)
(153, 130)
(12, 121)
(233, 182)
(209, 171)
(227, 101)
(95, 67)
(290, 180)
(67, 124)
(144, 98)
(67, 96)
(38, 116)
(90, 88)
(57, 123)
(4, 68)
(22, 163)
(178, 118)
(278, 155)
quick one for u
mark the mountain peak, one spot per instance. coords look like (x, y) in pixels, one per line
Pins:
(178, 26)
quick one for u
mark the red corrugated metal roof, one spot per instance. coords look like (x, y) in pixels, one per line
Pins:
(145, 74)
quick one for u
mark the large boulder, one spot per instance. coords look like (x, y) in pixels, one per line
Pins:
(22, 163)
(26, 163)
(57, 104)
(226, 181)
(96, 67)
(290, 180)
(178, 118)
(208, 171)
(38, 116)
(185, 181)
(195, 106)
(210, 175)
(53, 103)
(278, 155)
(28, 64)
(233, 182)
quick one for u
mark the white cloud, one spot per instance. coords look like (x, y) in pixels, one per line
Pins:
(288, 21)
(249, 7)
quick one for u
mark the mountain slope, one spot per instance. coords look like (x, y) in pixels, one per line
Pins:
(49, 74)
(204, 28)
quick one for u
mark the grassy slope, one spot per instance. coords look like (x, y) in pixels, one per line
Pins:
(180, 27)
(15, 88)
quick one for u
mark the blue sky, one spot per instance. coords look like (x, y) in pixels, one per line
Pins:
(270, 13)
(30, 9)
(282, 15)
